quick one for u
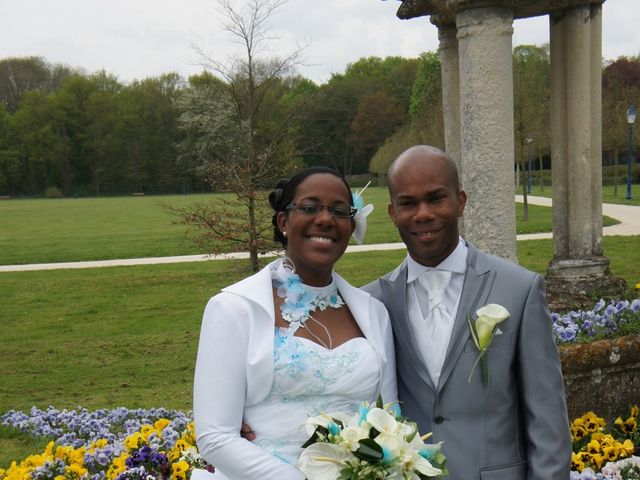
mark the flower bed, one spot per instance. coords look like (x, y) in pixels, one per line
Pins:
(119, 444)
(600, 355)
(159, 444)
(602, 453)
(604, 320)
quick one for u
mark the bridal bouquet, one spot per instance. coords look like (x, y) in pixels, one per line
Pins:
(375, 443)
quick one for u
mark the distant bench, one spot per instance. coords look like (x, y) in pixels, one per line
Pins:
(5, 197)
(138, 194)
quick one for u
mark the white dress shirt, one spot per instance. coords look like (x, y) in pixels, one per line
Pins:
(456, 263)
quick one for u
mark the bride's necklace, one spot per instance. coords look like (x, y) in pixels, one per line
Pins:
(301, 300)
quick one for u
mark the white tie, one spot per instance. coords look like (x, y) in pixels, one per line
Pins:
(437, 318)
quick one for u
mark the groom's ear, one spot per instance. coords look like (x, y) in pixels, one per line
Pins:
(391, 212)
(462, 201)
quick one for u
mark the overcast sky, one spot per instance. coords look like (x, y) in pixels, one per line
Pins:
(135, 39)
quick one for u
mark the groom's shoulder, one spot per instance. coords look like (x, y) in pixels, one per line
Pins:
(504, 267)
(375, 289)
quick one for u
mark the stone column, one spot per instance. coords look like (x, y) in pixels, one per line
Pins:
(487, 144)
(596, 126)
(578, 265)
(451, 95)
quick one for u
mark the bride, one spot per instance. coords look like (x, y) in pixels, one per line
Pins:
(292, 341)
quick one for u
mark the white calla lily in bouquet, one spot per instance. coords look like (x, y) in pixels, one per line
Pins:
(375, 443)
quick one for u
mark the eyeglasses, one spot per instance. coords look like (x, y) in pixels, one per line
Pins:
(338, 211)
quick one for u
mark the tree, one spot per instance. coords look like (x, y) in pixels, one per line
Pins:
(21, 75)
(42, 148)
(425, 108)
(332, 111)
(620, 88)
(10, 172)
(245, 148)
(531, 106)
(424, 112)
(377, 117)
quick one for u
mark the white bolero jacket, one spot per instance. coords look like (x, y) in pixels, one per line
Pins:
(235, 368)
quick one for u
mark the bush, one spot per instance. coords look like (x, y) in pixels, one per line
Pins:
(53, 192)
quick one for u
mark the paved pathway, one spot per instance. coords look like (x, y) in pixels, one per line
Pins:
(629, 217)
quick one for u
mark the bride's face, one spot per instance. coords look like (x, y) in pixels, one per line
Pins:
(316, 237)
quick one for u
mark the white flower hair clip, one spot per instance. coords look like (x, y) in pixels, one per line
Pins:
(361, 215)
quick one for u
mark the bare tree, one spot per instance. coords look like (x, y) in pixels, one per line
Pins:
(241, 144)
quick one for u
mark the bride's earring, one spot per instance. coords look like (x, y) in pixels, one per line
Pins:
(284, 233)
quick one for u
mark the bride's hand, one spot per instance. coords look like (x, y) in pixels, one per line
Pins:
(246, 432)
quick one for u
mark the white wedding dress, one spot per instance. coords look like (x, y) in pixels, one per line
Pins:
(309, 379)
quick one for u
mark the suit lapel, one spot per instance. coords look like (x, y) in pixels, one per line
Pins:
(394, 292)
(475, 290)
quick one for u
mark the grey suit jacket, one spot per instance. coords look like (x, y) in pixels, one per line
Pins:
(515, 428)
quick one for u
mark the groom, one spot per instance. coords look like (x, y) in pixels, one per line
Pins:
(515, 427)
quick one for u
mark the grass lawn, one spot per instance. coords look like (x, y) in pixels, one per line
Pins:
(608, 195)
(107, 337)
(43, 231)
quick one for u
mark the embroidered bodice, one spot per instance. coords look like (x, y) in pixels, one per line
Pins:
(308, 380)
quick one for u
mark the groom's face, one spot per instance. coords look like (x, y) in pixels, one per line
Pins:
(425, 206)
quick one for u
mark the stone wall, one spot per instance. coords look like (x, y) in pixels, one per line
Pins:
(602, 376)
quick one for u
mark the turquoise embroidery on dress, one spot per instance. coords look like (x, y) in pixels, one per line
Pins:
(274, 447)
(293, 360)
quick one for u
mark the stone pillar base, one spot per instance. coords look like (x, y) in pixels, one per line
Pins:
(575, 283)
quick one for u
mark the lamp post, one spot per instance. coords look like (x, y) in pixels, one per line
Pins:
(631, 119)
(529, 140)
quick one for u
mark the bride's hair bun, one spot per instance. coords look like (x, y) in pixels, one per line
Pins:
(275, 196)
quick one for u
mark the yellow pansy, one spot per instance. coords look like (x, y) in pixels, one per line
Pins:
(592, 422)
(35, 461)
(117, 466)
(630, 425)
(59, 477)
(76, 470)
(179, 470)
(577, 461)
(147, 430)
(133, 441)
(578, 432)
(161, 423)
(593, 447)
(607, 441)
(634, 411)
(189, 434)
(100, 443)
(597, 459)
(628, 447)
(609, 453)
(49, 449)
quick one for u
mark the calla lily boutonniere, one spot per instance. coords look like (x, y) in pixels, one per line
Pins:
(483, 331)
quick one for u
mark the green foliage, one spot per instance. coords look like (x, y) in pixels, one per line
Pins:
(53, 192)
(371, 93)
(427, 88)
(531, 99)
